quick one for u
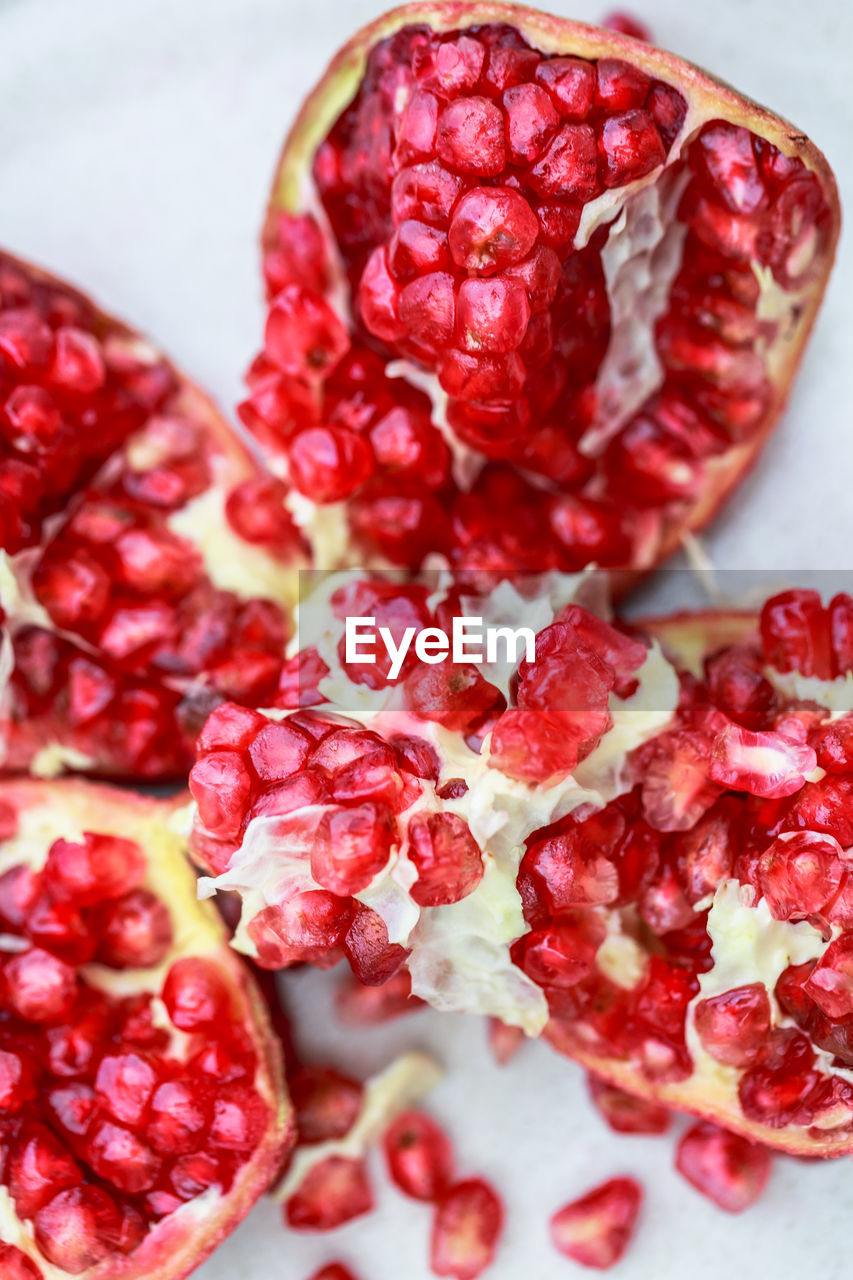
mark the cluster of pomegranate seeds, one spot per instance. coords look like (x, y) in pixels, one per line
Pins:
(16, 1265)
(596, 1229)
(110, 1124)
(138, 642)
(461, 186)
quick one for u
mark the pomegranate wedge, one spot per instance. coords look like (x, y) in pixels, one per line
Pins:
(145, 561)
(639, 845)
(142, 1103)
(536, 293)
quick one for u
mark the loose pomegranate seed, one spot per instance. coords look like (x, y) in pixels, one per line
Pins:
(332, 1192)
(625, 1113)
(734, 1026)
(627, 25)
(725, 1167)
(504, 1041)
(448, 860)
(466, 1230)
(351, 846)
(596, 1229)
(419, 1156)
(799, 874)
(765, 764)
(327, 1103)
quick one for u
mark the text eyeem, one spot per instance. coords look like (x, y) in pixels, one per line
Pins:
(468, 641)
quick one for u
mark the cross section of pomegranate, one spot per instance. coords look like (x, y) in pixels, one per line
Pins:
(142, 1104)
(536, 293)
(639, 845)
(145, 561)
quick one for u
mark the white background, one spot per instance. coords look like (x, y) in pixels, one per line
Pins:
(137, 139)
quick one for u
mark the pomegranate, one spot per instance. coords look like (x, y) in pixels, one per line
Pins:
(664, 888)
(536, 293)
(141, 1087)
(596, 1229)
(146, 563)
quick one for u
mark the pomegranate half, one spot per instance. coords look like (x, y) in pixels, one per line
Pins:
(639, 845)
(142, 1103)
(145, 560)
(536, 294)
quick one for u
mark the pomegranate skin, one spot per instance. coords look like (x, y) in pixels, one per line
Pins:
(708, 99)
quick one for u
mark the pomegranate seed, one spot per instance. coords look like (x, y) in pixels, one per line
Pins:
(427, 309)
(195, 995)
(240, 1117)
(17, 1080)
(795, 634)
(424, 193)
(361, 1006)
(38, 986)
(327, 1104)
(531, 121)
(569, 166)
(799, 874)
(121, 1158)
(333, 1192)
(596, 1229)
(77, 1228)
(124, 1085)
(726, 153)
(307, 928)
(419, 1156)
(831, 982)
(466, 1230)
(329, 463)
(38, 1166)
(450, 67)
(222, 788)
(470, 137)
(625, 1113)
(98, 868)
(627, 25)
(734, 1025)
(492, 228)
(562, 955)
(493, 314)
(504, 1041)
(373, 958)
(332, 1271)
(179, 1118)
(629, 147)
(725, 1167)
(448, 860)
(351, 846)
(304, 338)
(619, 85)
(776, 1088)
(134, 932)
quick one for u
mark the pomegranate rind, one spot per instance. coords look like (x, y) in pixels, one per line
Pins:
(708, 99)
(33, 747)
(178, 1244)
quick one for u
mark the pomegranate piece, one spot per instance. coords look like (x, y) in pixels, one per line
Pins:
(113, 1122)
(596, 1229)
(326, 1103)
(466, 1230)
(419, 1156)
(119, 486)
(473, 189)
(724, 1166)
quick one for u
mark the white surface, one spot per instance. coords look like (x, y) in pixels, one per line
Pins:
(138, 138)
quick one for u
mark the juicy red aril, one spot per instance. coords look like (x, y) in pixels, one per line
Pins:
(121, 1157)
(38, 987)
(831, 982)
(775, 1089)
(799, 874)
(38, 1166)
(124, 1085)
(308, 928)
(304, 338)
(351, 846)
(180, 1114)
(725, 1167)
(327, 1103)
(625, 1113)
(596, 1229)
(329, 463)
(195, 995)
(466, 1230)
(795, 634)
(95, 869)
(135, 931)
(448, 860)
(332, 1192)
(221, 787)
(562, 955)
(78, 1228)
(733, 1026)
(374, 959)
(419, 1156)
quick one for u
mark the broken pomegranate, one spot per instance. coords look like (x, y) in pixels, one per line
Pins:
(141, 1091)
(146, 564)
(536, 293)
(664, 887)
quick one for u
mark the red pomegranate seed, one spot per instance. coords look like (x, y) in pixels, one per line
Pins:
(795, 634)
(307, 928)
(17, 1080)
(222, 788)
(624, 1112)
(470, 137)
(229, 728)
(492, 228)
(38, 1166)
(777, 1087)
(124, 1085)
(15, 1265)
(764, 764)
(831, 982)
(596, 1229)
(725, 1167)
(77, 1229)
(304, 338)
(329, 463)
(38, 986)
(466, 1230)
(135, 931)
(120, 1157)
(504, 1040)
(332, 1192)
(95, 869)
(195, 995)
(240, 1117)
(448, 860)
(492, 314)
(629, 147)
(327, 1103)
(419, 1156)
(734, 1025)
(627, 25)
(179, 1118)
(360, 1006)
(351, 846)
(331, 1271)
(799, 874)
